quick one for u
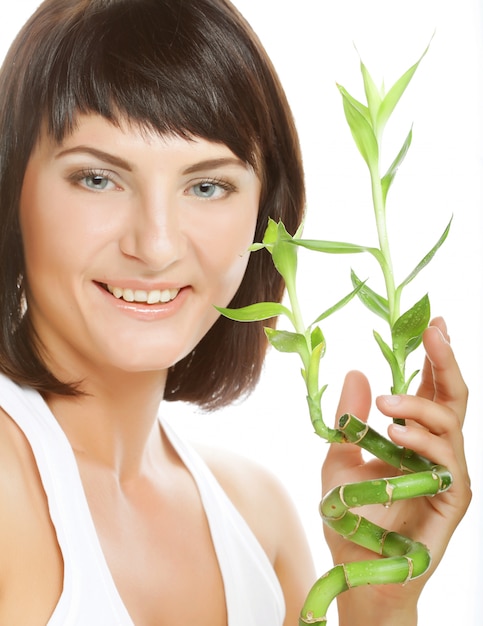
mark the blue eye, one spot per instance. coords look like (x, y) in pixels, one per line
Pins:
(206, 190)
(212, 189)
(96, 181)
(93, 179)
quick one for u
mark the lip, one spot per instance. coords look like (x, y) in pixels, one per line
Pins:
(140, 310)
(137, 284)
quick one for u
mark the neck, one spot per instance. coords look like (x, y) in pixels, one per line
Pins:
(114, 424)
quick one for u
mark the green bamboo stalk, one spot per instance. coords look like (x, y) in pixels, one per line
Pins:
(400, 558)
(405, 559)
(358, 432)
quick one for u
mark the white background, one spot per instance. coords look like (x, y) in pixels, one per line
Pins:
(311, 44)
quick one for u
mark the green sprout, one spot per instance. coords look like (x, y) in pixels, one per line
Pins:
(367, 123)
(405, 558)
(307, 341)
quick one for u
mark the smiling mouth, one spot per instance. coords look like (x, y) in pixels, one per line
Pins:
(155, 296)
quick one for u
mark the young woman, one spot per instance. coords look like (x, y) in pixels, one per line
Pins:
(143, 146)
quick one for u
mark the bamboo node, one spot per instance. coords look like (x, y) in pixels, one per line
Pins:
(311, 619)
(361, 434)
(355, 529)
(389, 491)
(383, 541)
(410, 570)
(403, 467)
(341, 496)
(346, 576)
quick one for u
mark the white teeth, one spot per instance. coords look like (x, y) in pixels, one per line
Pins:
(128, 295)
(140, 295)
(153, 296)
(166, 295)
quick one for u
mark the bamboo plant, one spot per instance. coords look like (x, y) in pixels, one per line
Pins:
(405, 559)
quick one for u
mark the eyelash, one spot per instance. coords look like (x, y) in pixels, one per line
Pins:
(81, 175)
(226, 186)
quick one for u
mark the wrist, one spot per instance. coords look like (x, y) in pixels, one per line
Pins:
(365, 608)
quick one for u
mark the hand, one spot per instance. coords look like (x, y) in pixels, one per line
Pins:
(434, 419)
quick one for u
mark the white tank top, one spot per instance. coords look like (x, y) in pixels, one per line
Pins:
(89, 597)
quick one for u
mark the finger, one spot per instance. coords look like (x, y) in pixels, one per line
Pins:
(426, 388)
(441, 324)
(444, 451)
(441, 450)
(449, 388)
(355, 398)
(434, 417)
(440, 437)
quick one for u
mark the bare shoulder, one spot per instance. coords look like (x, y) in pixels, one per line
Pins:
(255, 491)
(30, 561)
(266, 506)
(245, 481)
(11, 489)
(18, 470)
(16, 473)
(11, 456)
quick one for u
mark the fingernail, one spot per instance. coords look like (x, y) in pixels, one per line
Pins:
(441, 322)
(441, 336)
(391, 400)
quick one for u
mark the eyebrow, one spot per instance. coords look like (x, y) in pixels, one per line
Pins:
(100, 154)
(214, 164)
(122, 163)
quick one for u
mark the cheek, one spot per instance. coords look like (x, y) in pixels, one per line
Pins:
(45, 241)
(54, 232)
(224, 251)
(35, 232)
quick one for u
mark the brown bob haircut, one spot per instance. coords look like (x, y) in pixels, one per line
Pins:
(189, 67)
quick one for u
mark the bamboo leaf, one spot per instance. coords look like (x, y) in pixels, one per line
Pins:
(338, 305)
(256, 246)
(373, 95)
(382, 89)
(413, 344)
(373, 301)
(255, 312)
(316, 355)
(410, 326)
(388, 177)
(360, 124)
(388, 355)
(394, 94)
(285, 341)
(422, 264)
(320, 393)
(299, 231)
(332, 247)
(411, 378)
(337, 247)
(284, 255)
(316, 337)
(356, 104)
(270, 235)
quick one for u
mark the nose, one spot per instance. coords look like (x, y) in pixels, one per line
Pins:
(153, 234)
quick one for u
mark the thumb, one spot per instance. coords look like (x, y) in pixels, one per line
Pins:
(355, 398)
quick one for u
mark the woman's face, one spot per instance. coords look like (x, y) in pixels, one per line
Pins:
(130, 238)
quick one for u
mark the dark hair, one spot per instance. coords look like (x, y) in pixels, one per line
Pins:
(189, 67)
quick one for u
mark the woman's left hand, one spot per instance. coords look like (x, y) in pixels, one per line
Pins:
(434, 419)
